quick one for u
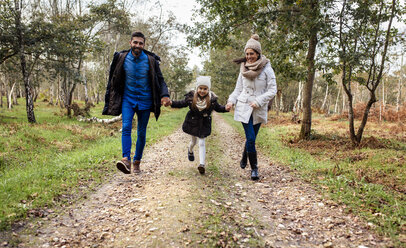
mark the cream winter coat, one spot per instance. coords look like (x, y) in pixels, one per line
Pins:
(260, 90)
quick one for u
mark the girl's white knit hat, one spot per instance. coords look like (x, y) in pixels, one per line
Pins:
(203, 80)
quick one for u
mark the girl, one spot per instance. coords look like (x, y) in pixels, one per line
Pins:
(198, 120)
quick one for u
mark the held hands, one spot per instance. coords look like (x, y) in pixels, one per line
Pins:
(166, 101)
(229, 105)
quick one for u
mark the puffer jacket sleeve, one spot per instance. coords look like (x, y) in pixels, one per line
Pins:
(271, 87)
(183, 103)
(219, 108)
(237, 90)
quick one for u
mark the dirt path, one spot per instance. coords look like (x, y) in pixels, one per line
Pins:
(171, 205)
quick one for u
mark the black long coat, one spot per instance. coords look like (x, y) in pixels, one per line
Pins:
(115, 86)
(198, 123)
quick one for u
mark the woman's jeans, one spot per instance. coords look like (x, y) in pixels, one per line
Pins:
(128, 112)
(251, 132)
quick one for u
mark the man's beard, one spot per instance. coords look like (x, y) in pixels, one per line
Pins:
(137, 51)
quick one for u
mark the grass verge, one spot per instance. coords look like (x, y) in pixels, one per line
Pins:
(58, 160)
(344, 179)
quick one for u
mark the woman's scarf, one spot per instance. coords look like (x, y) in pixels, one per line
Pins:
(251, 71)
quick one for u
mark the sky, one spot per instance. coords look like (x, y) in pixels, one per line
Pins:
(183, 10)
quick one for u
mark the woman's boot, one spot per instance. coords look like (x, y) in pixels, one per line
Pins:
(243, 162)
(252, 156)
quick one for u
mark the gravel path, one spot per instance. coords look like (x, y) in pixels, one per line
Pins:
(171, 205)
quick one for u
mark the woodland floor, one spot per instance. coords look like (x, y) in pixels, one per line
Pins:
(171, 205)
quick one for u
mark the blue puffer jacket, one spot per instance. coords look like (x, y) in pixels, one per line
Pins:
(115, 86)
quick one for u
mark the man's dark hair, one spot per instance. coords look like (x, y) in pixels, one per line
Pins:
(138, 34)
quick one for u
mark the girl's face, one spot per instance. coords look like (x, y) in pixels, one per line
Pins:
(202, 90)
(251, 55)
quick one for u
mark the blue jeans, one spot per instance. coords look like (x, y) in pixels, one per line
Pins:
(128, 111)
(251, 132)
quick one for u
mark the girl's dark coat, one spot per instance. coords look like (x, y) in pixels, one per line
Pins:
(198, 123)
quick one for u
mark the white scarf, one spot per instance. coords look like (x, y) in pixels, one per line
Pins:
(201, 104)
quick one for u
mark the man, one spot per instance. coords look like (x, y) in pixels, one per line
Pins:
(135, 86)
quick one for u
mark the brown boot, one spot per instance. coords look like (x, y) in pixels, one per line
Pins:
(124, 165)
(136, 164)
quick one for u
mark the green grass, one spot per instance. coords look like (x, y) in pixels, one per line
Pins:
(59, 159)
(344, 180)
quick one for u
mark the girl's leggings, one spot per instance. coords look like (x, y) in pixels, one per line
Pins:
(202, 148)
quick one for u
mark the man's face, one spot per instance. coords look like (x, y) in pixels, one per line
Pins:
(137, 45)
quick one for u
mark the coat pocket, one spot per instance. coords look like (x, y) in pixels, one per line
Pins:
(242, 98)
(190, 125)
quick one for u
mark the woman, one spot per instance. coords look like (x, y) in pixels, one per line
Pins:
(256, 86)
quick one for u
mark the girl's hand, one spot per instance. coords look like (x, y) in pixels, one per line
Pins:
(253, 105)
(229, 105)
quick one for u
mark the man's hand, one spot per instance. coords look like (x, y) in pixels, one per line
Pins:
(229, 105)
(166, 101)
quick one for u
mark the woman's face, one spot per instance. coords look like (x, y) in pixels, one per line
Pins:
(251, 55)
(202, 90)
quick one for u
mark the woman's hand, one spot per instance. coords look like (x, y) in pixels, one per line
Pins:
(253, 105)
(229, 105)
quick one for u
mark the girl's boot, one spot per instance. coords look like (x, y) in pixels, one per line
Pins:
(252, 156)
(243, 162)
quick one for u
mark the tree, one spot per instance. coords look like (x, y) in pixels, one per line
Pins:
(7, 36)
(363, 46)
(19, 31)
(300, 24)
(222, 70)
(177, 75)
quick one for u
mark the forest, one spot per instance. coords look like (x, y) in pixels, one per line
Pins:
(344, 58)
(340, 69)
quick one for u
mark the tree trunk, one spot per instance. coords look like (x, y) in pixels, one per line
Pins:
(343, 101)
(375, 84)
(346, 84)
(325, 98)
(308, 87)
(281, 103)
(399, 94)
(337, 98)
(297, 105)
(9, 99)
(1, 95)
(98, 97)
(15, 102)
(28, 89)
(277, 103)
(51, 94)
(371, 101)
(85, 85)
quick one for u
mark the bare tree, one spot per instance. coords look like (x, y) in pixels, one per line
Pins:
(362, 41)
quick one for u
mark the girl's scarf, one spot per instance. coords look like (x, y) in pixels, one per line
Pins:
(201, 104)
(251, 71)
